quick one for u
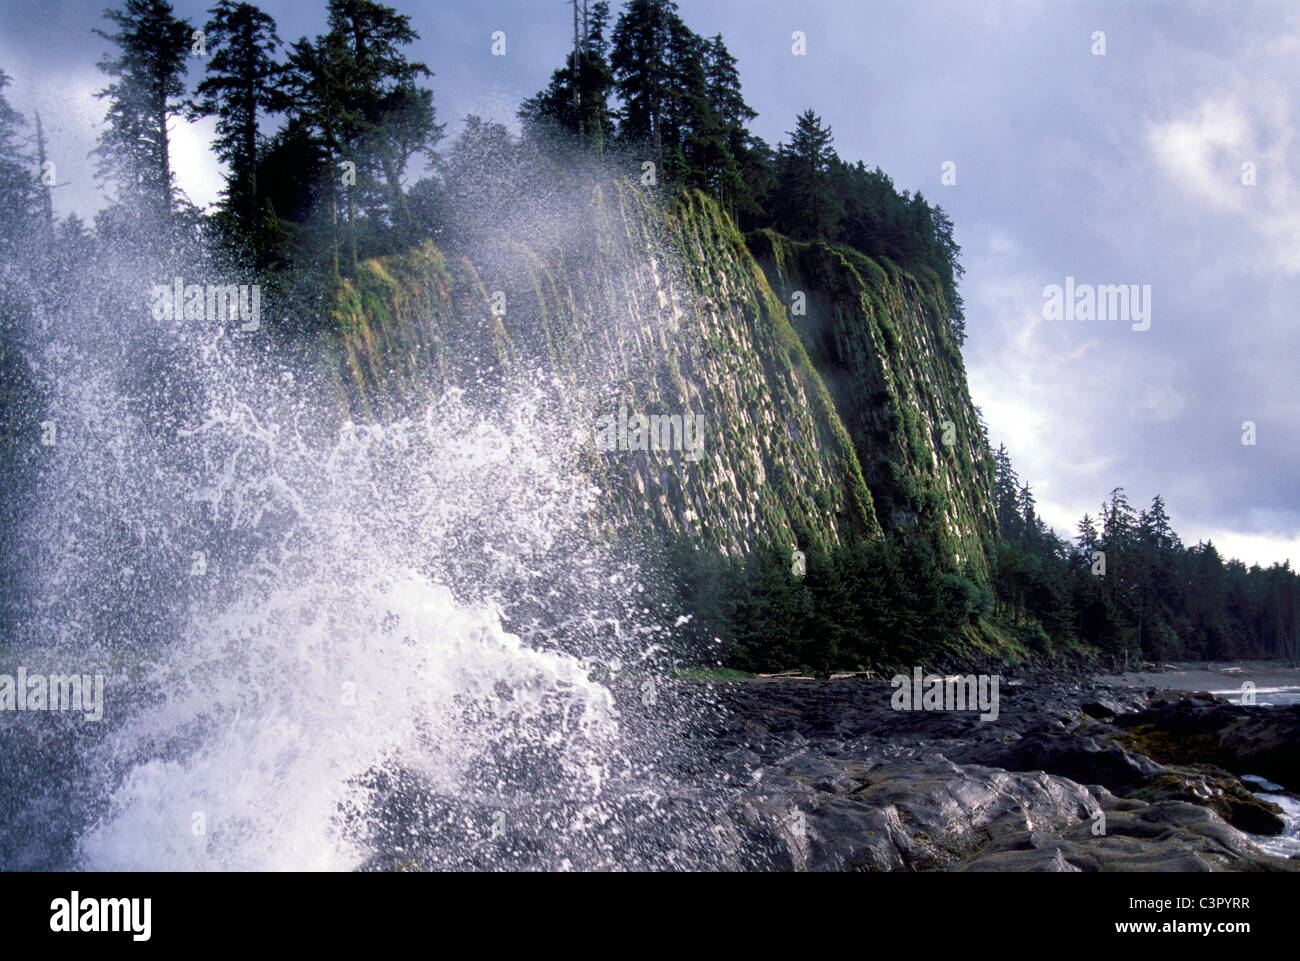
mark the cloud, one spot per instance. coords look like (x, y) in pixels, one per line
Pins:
(1261, 549)
(1161, 403)
(194, 166)
(1234, 153)
(1130, 171)
(1199, 152)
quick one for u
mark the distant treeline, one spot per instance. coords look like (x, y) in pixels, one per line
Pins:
(1128, 586)
(878, 602)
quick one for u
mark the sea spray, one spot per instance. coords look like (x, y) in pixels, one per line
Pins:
(328, 644)
(354, 610)
(339, 648)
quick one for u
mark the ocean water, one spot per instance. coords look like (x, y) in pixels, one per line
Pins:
(1286, 844)
(1264, 696)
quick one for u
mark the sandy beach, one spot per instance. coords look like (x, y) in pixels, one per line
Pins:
(1215, 676)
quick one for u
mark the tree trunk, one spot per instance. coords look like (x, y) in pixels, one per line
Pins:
(334, 216)
(247, 178)
(47, 200)
(352, 233)
(401, 212)
(164, 158)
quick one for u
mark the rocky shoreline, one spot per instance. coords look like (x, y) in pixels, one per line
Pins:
(1071, 776)
(786, 774)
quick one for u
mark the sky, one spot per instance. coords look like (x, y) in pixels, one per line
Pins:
(1169, 161)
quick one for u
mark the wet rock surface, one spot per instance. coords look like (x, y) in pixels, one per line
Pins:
(828, 776)
(825, 775)
(1243, 739)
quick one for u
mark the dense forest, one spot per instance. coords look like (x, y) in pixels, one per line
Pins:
(326, 186)
(1126, 590)
(333, 153)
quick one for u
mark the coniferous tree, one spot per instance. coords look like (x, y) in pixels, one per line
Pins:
(757, 166)
(242, 83)
(149, 71)
(595, 78)
(733, 117)
(317, 80)
(18, 196)
(806, 207)
(828, 643)
(724, 91)
(694, 137)
(1119, 527)
(685, 99)
(387, 117)
(944, 259)
(1006, 487)
(1154, 527)
(1121, 523)
(355, 94)
(576, 102)
(1209, 600)
(641, 63)
(1088, 537)
(358, 95)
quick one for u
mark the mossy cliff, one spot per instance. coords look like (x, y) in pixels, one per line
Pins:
(818, 427)
(881, 341)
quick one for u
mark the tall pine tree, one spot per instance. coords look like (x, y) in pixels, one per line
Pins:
(805, 206)
(641, 61)
(733, 114)
(576, 102)
(242, 83)
(149, 80)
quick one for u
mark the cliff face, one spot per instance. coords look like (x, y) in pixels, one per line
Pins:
(818, 425)
(881, 341)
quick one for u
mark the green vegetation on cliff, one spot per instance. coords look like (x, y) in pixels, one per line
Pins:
(880, 338)
(825, 422)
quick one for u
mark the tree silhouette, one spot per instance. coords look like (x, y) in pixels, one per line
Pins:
(150, 70)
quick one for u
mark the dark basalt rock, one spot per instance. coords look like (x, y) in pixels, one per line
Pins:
(1102, 708)
(1080, 757)
(1219, 791)
(844, 782)
(1202, 728)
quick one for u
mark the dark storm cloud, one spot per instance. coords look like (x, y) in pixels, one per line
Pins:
(1116, 169)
